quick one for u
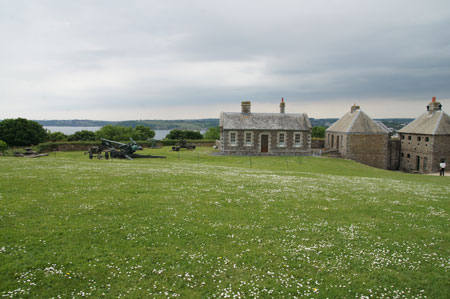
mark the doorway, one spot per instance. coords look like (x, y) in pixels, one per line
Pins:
(264, 143)
(417, 163)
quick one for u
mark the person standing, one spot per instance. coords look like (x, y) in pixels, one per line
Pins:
(442, 166)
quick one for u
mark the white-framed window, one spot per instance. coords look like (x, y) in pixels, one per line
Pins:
(309, 140)
(233, 138)
(297, 139)
(281, 139)
(248, 139)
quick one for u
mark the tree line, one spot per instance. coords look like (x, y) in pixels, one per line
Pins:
(23, 132)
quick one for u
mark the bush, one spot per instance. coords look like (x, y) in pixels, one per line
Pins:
(3, 146)
(83, 135)
(56, 136)
(177, 134)
(213, 133)
(21, 132)
(318, 132)
(119, 133)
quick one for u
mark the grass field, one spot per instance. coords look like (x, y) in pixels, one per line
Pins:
(198, 226)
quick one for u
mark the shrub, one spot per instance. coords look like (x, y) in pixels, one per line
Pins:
(213, 133)
(22, 132)
(177, 134)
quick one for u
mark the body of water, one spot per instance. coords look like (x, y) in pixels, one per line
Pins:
(159, 134)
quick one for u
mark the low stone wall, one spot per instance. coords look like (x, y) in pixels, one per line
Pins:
(80, 146)
(318, 143)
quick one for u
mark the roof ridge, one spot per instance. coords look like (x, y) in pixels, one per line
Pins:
(353, 121)
(438, 123)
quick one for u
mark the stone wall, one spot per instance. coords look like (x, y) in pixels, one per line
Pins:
(423, 153)
(318, 144)
(441, 150)
(369, 149)
(274, 149)
(394, 154)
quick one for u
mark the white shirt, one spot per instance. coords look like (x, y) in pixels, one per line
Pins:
(442, 165)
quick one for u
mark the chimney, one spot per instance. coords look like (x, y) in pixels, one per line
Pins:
(434, 106)
(354, 108)
(282, 106)
(246, 107)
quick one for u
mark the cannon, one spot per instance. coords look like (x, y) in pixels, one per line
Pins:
(183, 144)
(115, 149)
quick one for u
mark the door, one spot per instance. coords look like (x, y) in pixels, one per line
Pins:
(417, 163)
(264, 143)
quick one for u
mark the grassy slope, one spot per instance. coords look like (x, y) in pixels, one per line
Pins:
(203, 226)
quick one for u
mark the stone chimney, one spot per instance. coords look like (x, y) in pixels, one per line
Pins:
(434, 106)
(354, 108)
(282, 106)
(246, 107)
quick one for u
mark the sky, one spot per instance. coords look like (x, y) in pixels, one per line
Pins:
(129, 60)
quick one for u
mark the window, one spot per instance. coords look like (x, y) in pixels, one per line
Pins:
(427, 139)
(403, 136)
(281, 139)
(297, 140)
(419, 138)
(408, 156)
(233, 138)
(402, 154)
(409, 137)
(248, 138)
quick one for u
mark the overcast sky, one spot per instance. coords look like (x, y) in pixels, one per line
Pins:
(119, 60)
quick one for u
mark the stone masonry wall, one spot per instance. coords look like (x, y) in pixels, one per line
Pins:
(274, 149)
(370, 149)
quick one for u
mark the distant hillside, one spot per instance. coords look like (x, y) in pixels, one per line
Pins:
(196, 124)
(190, 124)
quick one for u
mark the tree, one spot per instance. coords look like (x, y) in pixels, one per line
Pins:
(117, 133)
(22, 132)
(56, 136)
(318, 132)
(3, 146)
(177, 134)
(83, 135)
(213, 133)
(143, 133)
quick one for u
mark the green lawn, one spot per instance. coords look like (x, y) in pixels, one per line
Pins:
(198, 226)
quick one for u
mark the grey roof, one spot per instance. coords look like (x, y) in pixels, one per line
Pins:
(264, 121)
(429, 123)
(357, 122)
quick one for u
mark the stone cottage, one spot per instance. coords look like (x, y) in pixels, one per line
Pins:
(425, 142)
(358, 137)
(250, 133)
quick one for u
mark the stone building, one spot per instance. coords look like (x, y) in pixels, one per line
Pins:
(425, 142)
(250, 133)
(358, 137)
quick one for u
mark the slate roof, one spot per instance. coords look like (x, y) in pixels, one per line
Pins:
(429, 123)
(264, 121)
(357, 122)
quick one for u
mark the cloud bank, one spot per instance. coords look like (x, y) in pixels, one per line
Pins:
(117, 60)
